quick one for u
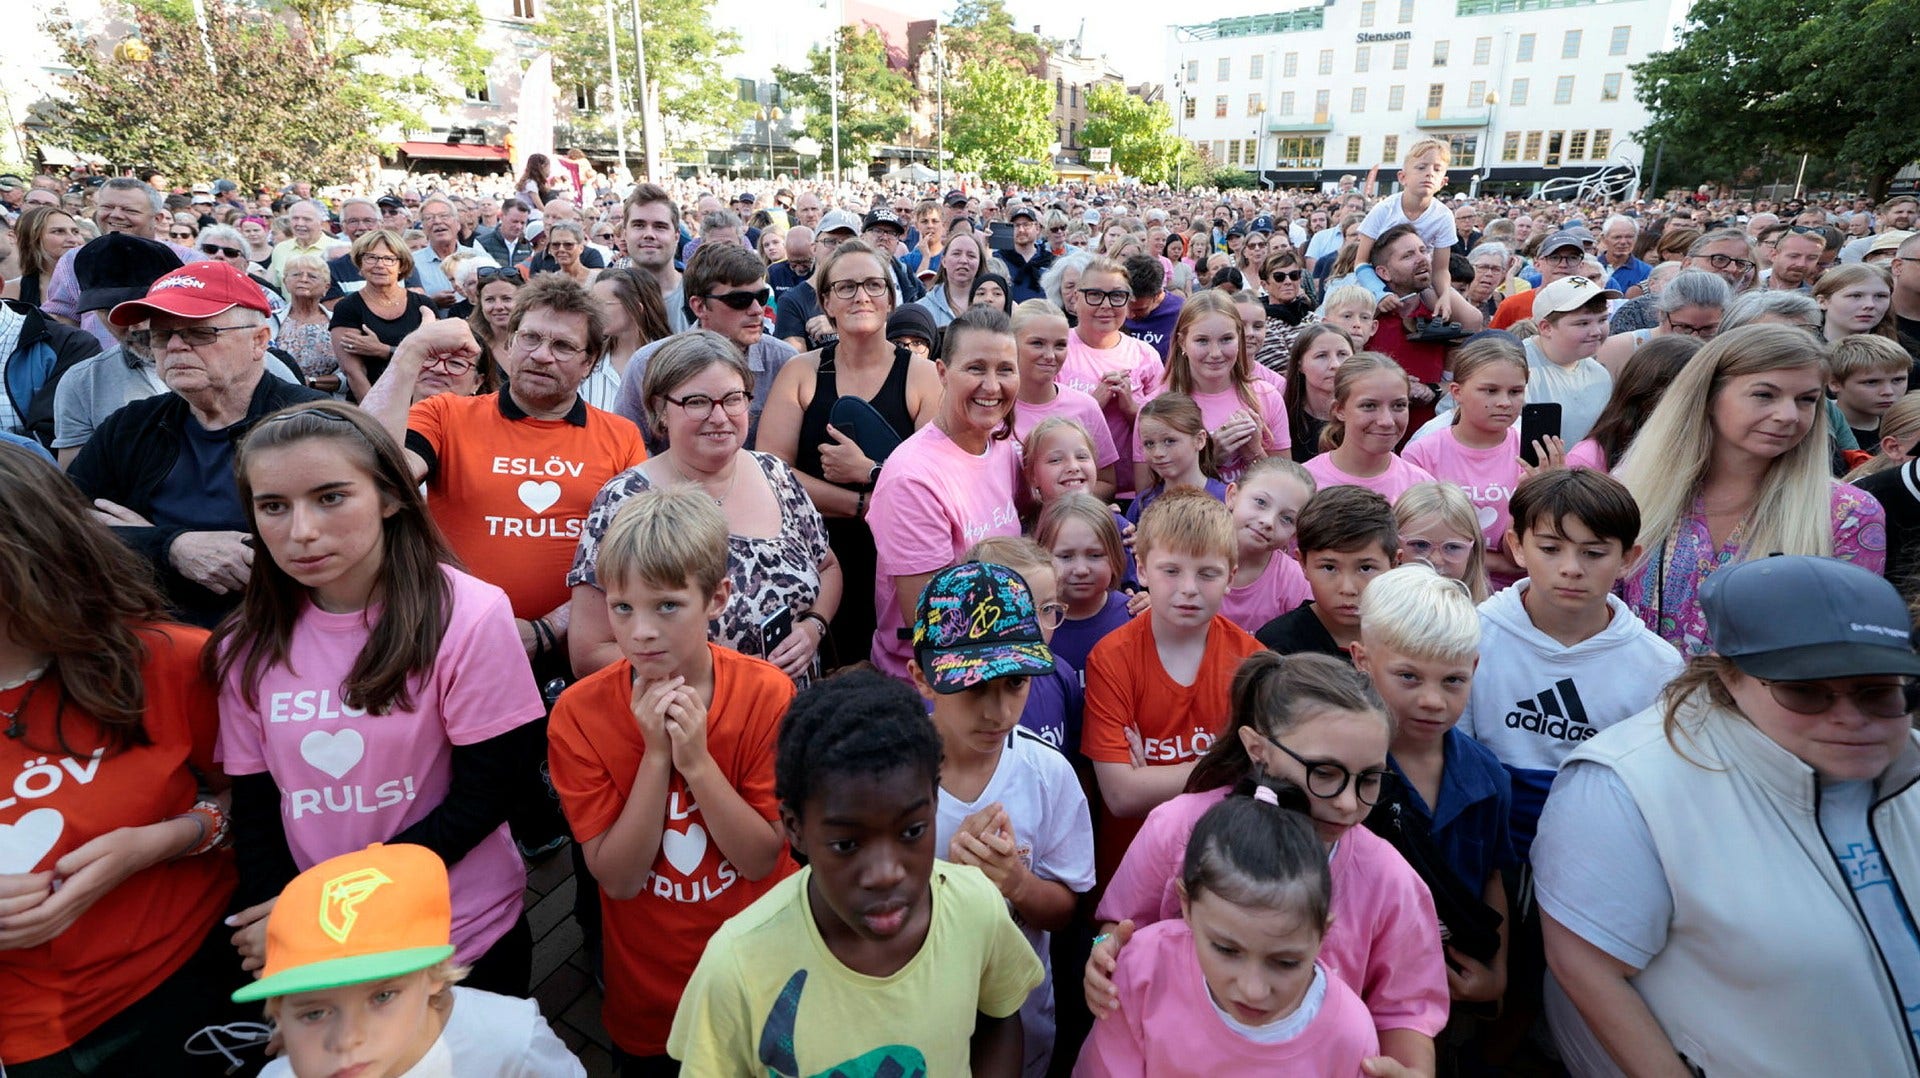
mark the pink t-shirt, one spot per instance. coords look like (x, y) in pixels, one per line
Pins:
(1588, 454)
(1074, 404)
(1389, 484)
(1488, 476)
(933, 501)
(1168, 1022)
(1217, 408)
(1385, 937)
(1083, 369)
(1279, 589)
(348, 779)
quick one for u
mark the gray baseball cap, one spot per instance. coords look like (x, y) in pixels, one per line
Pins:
(1794, 617)
(838, 221)
(1566, 237)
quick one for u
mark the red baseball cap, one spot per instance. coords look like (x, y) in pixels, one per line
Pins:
(195, 290)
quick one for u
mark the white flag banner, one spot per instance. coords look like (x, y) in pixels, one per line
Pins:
(533, 130)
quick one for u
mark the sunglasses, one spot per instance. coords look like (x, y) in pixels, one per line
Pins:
(1884, 700)
(1284, 275)
(212, 249)
(740, 301)
(180, 234)
(499, 273)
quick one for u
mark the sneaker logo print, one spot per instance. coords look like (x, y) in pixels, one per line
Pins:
(340, 900)
(777, 1049)
(539, 496)
(684, 850)
(26, 840)
(1557, 713)
(334, 753)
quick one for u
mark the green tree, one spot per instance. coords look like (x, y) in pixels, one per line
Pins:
(1139, 132)
(401, 56)
(876, 102)
(274, 107)
(1759, 81)
(999, 123)
(983, 32)
(683, 53)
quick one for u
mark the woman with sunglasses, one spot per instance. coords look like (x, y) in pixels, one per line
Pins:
(223, 243)
(1733, 868)
(370, 323)
(565, 240)
(184, 229)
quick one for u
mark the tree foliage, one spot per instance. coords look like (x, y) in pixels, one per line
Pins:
(876, 102)
(683, 53)
(983, 32)
(1139, 132)
(1000, 124)
(276, 106)
(1753, 80)
(400, 55)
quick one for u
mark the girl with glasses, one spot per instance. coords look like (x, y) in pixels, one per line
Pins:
(1314, 723)
(1439, 527)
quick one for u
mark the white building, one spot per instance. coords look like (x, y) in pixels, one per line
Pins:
(1525, 90)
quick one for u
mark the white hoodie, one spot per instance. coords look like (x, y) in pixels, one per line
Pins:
(1535, 700)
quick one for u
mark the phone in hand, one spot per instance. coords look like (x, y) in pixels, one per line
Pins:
(775, 630)
(1537, 421)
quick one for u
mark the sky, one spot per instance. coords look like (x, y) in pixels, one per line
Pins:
(1132, 33)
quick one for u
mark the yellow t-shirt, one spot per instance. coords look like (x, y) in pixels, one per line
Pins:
(769, 998)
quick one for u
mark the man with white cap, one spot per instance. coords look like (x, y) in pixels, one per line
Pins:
(161, 469)
(1571, 314)
(1560, 255)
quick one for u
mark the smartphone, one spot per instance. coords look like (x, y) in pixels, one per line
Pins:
(1000, 236)
(775, 630)
(1537, 421)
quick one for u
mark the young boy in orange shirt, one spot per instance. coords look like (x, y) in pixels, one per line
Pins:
(1157, 686)
(664, 765)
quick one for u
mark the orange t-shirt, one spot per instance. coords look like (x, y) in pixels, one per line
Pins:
(1515, 308)
(512, 493)
(594, 748)
(52, 803)
(1127, 686)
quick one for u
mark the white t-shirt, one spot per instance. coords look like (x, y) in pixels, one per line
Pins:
(1435, 224)
(1581, 390)
(486, 1036)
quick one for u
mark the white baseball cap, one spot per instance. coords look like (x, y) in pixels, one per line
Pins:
(1569, 294)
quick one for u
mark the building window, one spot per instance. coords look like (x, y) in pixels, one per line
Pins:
(1353, 149)
(1359, 102)
(1463, 150)
(1074, 93)
(1233, 151)
(1482, 51)
(1400, 52)
(1255, 106)
(1510, 147)
(1617, 44)
(1570, 47)
(1406, 12)
(1073, 132)
(1533, 147)
(1193, 71)
(1366, 13)
(1187, 107)
(1322, 100)
(1440, 50)
(1476, 93)
(1602, 143)
(1563, 90)
(1390, 150)
(1363, 58)
(1219, 150)
(479, 95)
(1301, 152)
(1396, 98)
(1577, 146)
(1290, 65)
(1219, 106)
(1059, 90)
(1326, 61)
(1519, 95)
(1436, 93)
(1224, 69)
(1524, 53)
(583, 97)
(523, 9)
(1286, 103)
(1554, 139)
(1257, 66)
(1610, 87)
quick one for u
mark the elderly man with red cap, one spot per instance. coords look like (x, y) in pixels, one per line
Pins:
(160, 470)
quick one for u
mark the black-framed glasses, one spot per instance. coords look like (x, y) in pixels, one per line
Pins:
(379, 260)
(1880, 700)
(1328, 779)
(700, 406)
(1721, 262)
(874, 287)
(740, 301)
(212, 249)
(181, 234)
(500, 273)
(1116, 298)
(1687, 329)
(1284, 275)
(195, 336)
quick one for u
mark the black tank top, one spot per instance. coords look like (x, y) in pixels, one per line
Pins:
(890, 402)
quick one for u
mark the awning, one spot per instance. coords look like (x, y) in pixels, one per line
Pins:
(452, 151)
(61, 157)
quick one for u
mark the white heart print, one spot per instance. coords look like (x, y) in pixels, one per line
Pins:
(1487, 514)
(335, 753)
(685, 849)
(26, 840)
(539, 496)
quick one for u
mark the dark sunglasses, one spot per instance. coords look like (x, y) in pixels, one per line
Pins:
(499, 273)
(1284, 275)
(211, 249)
(740, 301)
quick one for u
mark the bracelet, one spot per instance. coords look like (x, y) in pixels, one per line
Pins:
(214, 826)
(860, 510)
(543, 638)
(825, 626)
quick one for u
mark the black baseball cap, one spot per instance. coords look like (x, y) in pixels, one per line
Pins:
(118, 267)
(1796, 617)
(1023, 210)
(390, 202)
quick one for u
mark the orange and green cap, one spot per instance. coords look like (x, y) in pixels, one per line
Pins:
(382, 912)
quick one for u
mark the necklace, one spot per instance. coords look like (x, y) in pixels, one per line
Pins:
(718, 499)
(16, 724)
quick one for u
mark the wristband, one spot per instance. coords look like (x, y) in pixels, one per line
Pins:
(213, 826)
(860, 510)
(825, 626)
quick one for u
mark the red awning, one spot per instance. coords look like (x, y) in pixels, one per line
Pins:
(453, 151)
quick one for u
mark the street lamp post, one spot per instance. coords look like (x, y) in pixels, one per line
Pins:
(1180, 130)
(769, 115)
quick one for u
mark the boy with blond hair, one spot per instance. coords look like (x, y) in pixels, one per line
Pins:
(1867, 374)
(1423, 173)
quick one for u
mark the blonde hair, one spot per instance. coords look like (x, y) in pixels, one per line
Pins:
(1483, 353)
(1450, 504)
(444, 973)
(1016, 552)
(1840, 278)
(1668, 461)
(1350, 295)
(666, 536)
(1281, 464)
(1091, 511)
(1417, 612)
(1901, 423)
(1428, 145)
(1352, 369)
(1186, 521)
(1865, 353)
(1033, 310)
(1030, 447)
(1180, 368)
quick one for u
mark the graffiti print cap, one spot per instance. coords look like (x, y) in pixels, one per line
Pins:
(382, 912)
(976, 623)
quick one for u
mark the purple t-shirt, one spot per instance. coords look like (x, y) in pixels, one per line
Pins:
(1073, 641)
(1157, 327)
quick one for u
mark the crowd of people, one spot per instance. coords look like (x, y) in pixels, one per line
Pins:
(1082, 630)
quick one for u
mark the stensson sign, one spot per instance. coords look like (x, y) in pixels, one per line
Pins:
(1398, 35)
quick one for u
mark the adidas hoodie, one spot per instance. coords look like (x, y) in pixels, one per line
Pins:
(1535, 700)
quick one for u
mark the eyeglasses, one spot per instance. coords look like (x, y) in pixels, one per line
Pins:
(1688, 330)
(1327, 779)
(448, 362)
(181, 234)
(1881, 700)
(874, 287)
(529, 342)
(1424, 548)
(1052, 615)
(603, 237)
(700, 406)
(499, 273)
(379, 260)
(1284, 275)
(1563, 259)
(1116, 298)
(740, 301)
(211, 249)
(1721, 262)
(195, 336)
